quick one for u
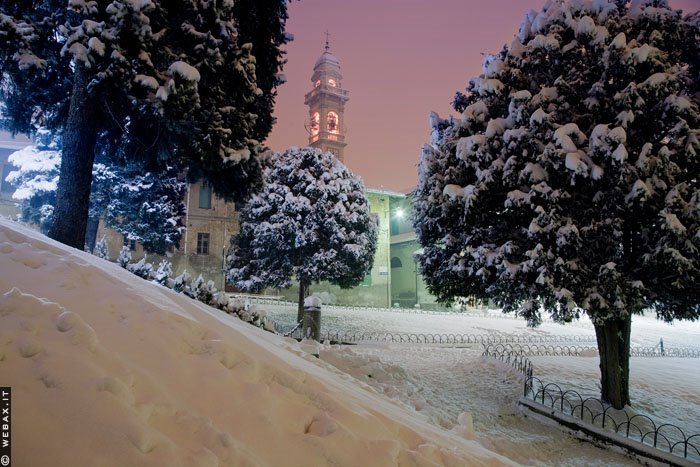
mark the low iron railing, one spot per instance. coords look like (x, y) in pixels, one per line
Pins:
(593, 411)
(535, 350)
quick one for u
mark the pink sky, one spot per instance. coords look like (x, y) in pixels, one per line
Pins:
(400, 59)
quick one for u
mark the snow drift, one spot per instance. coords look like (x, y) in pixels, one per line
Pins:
(109, 369)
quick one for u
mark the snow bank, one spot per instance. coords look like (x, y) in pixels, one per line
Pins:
(113, 370)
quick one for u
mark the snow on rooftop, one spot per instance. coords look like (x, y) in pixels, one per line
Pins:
(113, 370)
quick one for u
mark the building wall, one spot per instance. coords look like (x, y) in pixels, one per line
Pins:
(220, 221)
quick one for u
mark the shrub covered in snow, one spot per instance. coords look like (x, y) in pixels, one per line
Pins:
(311, 222)
(180, 283)
(163, 273)
(124, 256)
(142, 268)
(202, 291)
(570, 182)
(101, 249)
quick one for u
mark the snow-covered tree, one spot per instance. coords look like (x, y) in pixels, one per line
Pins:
(202, 291)
(570, 184)
(163, 273)
(180, 282)
(311, 223)
(141, 268)
(148, 208)
(36, 178)
(124, 256)
(164, 83)
(101, 249)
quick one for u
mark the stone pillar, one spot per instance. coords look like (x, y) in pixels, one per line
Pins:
(311, 327)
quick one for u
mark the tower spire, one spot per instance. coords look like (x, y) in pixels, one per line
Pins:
(326, 101)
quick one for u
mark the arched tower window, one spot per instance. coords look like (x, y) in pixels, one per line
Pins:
(396, 262)
(333, 123)
(315, 122)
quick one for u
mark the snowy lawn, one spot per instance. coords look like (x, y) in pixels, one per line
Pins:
(442, 382)
(112, 370)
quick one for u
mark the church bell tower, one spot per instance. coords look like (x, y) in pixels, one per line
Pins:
(326, 101)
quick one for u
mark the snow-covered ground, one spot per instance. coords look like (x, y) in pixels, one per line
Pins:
(441, 382)
(108, 369)
(112, 370)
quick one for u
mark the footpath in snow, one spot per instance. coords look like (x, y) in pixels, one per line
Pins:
(448, 385)
(108, 369)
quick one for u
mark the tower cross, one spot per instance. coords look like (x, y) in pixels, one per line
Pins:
(328, 35)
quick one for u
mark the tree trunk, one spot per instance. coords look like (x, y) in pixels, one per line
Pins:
(73, 191)
(303, 292)
(93, 224)
(614, 349)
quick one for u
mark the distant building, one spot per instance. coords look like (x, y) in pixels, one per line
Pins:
(393, 280)
(8, 145)
(326, 101)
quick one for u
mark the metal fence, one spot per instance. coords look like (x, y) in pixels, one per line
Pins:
(559, 350)
(334, 336)
(590, 410)
(665, 436)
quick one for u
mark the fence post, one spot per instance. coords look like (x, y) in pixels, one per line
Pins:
(312, 318)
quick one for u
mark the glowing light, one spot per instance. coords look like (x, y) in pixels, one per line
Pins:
(399, 213)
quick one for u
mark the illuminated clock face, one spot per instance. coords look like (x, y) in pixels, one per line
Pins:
(332, 122)
(331, 82)
(315, 122)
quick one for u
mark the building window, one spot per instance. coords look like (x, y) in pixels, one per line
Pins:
(202, 243)
(332, 122)
(6, 186)
(396, 262)
(204, 196)
(130, 242)
(315, 123)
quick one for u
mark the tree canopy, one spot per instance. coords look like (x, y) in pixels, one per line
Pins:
(569, 184)
(148, 208)
(311, 222)
(164, 83)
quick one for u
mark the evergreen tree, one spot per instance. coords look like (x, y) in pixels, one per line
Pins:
(311, 222)
(163, 273)
(148, 208)
(262, 23)
(163, 83)
(124, 256)
(570, 183)
(101, 249)
(36, 179)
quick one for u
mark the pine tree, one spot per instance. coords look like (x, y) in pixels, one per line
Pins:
(148, 208)
(570, 183)
(311, 222)
(124, 256)
(163, 273)
(101, 249)
(36, 179)
(165, 84)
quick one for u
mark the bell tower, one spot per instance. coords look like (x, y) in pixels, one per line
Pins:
(326, 101)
